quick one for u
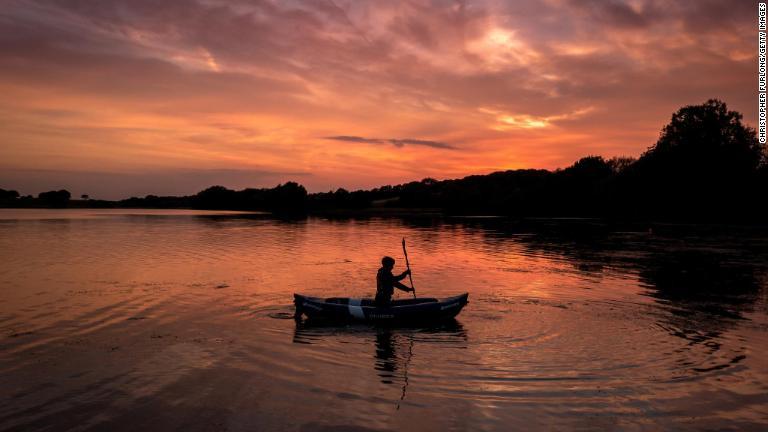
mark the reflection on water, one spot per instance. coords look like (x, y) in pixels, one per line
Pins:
(393, 345)
(115, 320)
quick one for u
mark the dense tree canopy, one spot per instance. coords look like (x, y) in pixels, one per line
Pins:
(8, 195)
(58, 198)
(705, 139)
(705, 161)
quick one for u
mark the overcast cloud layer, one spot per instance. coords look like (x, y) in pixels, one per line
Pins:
(348, 93)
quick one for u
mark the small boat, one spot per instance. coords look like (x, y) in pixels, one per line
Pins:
(424, 309)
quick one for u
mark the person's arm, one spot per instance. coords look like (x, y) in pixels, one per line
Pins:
(402, 275)
(400, 286)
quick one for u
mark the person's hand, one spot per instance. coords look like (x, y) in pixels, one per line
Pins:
(412, 289)
(407, 272)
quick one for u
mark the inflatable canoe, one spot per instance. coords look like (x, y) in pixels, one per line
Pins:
(356, 309)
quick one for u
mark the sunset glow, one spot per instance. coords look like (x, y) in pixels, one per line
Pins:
(121, 98)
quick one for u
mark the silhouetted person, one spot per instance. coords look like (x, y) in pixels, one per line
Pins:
(386, 282)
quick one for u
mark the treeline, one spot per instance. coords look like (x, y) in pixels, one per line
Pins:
(706, 165)
(290, 197)
(57, 198)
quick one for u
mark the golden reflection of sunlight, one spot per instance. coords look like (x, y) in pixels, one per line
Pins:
(500, 48)
(572, 49)
(198, 59)
(211, 61)
(505, 121)
(521, 122)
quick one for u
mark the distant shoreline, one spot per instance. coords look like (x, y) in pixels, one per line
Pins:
(707, 166)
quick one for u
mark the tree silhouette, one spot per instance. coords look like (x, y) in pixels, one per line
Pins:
(620, 163)
(216, 198)
(289, 197)
(708, 139)
(284, 198)
(8, 195)
(58, 198)
(704, 163)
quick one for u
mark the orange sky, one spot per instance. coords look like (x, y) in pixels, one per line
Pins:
(121, 98)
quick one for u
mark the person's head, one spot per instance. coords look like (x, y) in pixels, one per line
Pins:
(388, 262)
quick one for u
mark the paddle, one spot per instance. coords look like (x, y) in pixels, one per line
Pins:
(408, 265)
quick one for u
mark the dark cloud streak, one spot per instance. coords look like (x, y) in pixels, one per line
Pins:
(397, 142)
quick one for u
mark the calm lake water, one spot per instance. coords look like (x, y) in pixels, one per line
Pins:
(182, 320)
